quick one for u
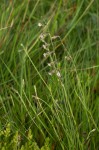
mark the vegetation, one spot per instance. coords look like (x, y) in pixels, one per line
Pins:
(49, 75)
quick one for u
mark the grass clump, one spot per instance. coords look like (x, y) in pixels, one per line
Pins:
(49, 74)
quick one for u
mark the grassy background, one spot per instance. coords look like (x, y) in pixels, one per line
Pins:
(49, 60)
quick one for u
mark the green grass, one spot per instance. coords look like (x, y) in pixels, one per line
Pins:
(49, 73)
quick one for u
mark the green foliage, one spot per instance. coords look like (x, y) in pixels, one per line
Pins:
(14, 142)
(49, 74)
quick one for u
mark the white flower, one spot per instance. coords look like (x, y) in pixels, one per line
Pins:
(58, 74)
(52, 63)
(49, 64)
(44, 46)
(44, 55)
(68, 58)
(42, 36)
(55, 37)
(39, 24)
(50, 73)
